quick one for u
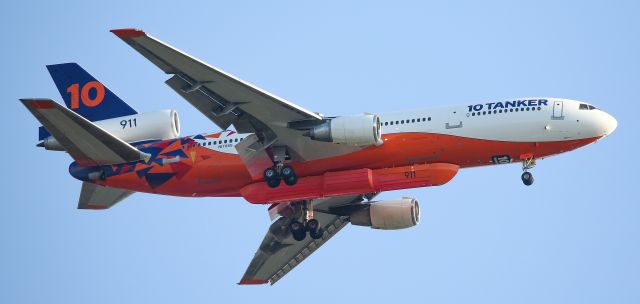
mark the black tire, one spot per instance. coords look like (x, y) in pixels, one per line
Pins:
(299, 236)
(312, 225)
(270, 173)
(527, 178)
(287, 171)
(273, 183)
(298, 230)
(296, 226)
(291, 180)
(316, 234)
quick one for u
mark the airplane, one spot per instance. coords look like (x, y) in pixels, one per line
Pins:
(317, 173)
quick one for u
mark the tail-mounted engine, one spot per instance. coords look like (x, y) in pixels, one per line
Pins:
(358, 130)
(159, 125)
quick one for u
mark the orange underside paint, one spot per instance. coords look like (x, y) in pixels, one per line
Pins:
(352, 182)
(210, 173)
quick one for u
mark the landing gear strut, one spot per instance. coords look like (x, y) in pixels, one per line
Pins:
(299, 229)
(278, 173)
(528, 163)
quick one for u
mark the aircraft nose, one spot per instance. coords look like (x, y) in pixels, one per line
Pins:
(608, 123)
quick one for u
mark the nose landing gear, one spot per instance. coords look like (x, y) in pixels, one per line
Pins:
(528, 162)
(527, 178)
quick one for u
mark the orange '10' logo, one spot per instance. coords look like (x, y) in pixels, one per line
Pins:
(77, 94)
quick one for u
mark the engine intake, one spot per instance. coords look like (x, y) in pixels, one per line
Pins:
(359, 130)
(388, 215)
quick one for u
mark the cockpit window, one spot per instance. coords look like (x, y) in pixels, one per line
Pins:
(584, 106)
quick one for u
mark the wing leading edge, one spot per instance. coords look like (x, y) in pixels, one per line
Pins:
(227, 100)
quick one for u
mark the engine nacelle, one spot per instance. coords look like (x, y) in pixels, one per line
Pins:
(158, 125)
(359, 130)
(388, 215)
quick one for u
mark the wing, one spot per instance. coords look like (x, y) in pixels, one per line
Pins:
(279, 253)
(87, 143)
(94, 196)
(227, 100)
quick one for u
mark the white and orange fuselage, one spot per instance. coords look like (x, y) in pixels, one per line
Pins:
(420, 148)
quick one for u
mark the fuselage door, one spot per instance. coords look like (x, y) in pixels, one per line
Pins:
(557, 110)
(454, 121)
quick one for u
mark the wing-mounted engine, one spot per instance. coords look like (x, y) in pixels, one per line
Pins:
(358, 130)
(388, 215)
(159, 125)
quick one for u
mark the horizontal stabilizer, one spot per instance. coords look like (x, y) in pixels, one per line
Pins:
(94, 196)
(87, 143)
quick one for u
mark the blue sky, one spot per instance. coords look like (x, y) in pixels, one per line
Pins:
(573, 237)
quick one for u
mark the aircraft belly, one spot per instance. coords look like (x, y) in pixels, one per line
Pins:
(206, 172)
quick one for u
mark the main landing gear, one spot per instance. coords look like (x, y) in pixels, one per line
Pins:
(528, 163)
(299, 229)
(274, 175)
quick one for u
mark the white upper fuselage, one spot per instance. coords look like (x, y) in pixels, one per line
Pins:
(530, 120)
(514, 120)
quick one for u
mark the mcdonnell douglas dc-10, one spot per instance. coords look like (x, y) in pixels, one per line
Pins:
(318, 173)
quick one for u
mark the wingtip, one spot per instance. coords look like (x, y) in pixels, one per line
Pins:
(38, 103)
(127, 33)
(252, 282)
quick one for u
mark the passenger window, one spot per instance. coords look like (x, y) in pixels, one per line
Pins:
(429, 118)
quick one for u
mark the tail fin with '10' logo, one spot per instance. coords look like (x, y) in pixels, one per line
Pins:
(85, 95)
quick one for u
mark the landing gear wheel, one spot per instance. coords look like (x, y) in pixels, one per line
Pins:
(527, 178)
(274, 182)
(287, 171)
(315, 231)
(316, 234)
(289, 175)
(270, 173)
(298, 230)
(271, 177)
(291, 180)
(312, 225)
